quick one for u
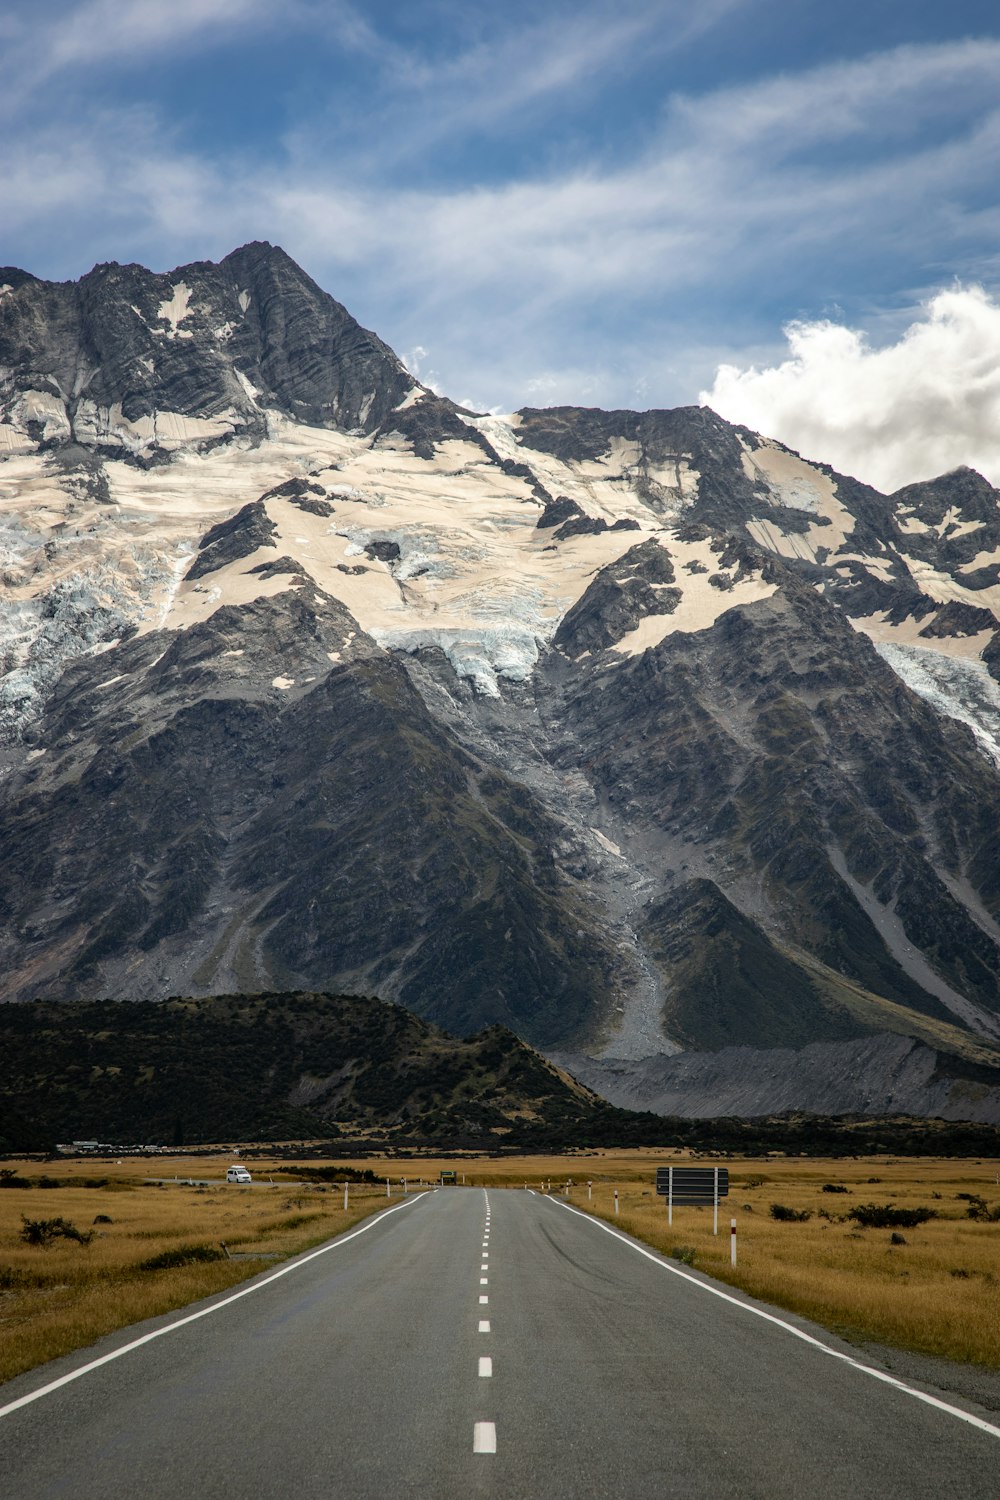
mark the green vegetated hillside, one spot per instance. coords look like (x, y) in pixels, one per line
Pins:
(266, 1067)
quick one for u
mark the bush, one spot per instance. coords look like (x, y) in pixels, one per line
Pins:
(42, 1232)
(884, 1216)
(684, 1253)
(9, 1178)
(789, 1215)
(103, 1219)
(835, 1187)
(183, 1255)
(896, 1239)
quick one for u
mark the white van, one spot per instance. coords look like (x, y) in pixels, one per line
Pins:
(238, 1174)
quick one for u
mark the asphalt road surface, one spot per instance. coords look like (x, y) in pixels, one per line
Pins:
(472, 1344)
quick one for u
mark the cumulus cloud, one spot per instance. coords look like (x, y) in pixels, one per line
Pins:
(889, 416)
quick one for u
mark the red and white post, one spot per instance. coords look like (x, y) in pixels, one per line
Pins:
(732, 1242)
(616, 1202)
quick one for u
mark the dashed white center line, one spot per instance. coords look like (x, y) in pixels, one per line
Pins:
(484, 1281)
(484, 1437)
(485, 1367)
(485, 1266)
(484, 1325)
(483, 1301)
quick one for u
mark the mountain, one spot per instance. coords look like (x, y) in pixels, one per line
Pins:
(632, 732)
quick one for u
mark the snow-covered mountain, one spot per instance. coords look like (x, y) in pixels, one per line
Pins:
(634, 731)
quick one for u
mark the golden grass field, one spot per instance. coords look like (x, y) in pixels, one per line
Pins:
(939, 1293)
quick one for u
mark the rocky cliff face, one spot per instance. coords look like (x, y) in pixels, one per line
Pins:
(595, 724)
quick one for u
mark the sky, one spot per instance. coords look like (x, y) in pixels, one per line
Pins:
(788, 210)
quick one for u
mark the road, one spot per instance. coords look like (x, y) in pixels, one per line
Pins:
(467, 1343)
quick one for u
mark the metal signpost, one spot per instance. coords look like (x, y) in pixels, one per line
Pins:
(693, 1185)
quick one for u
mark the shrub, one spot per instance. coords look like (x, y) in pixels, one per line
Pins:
(42, 1232)
(684, 1253)
(884, 1216)
(835, 1187)
(103, 1219)
(9, 1178)
(896, 1239)
(789, 1215)
(182, 1255)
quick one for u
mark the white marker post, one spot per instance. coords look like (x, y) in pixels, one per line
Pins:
(732, 1242)
(670, 1195)
(345, 1197)
(715, 1211)
(405, 1188)
(388, 1193)
(616, 1200)
(590, 1189)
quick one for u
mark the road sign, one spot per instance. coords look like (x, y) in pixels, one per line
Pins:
(692, 1185)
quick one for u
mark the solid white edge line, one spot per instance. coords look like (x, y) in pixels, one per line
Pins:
(484, 1437)
(158, 1333)
(758, 1312)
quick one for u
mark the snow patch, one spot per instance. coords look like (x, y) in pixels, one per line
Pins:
(250, 389)
(284, 683)
(173, 311)
(244, 301)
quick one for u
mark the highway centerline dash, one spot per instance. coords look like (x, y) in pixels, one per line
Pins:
(484, 1437)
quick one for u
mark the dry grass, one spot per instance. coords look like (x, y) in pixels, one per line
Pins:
(938, 1293)
(60, 1298)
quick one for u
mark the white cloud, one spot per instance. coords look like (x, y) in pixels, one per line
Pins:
(889, 416)
(591, 279)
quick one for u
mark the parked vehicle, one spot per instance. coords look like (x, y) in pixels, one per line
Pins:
(238, 1174)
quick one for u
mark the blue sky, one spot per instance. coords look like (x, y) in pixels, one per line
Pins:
(589, 202)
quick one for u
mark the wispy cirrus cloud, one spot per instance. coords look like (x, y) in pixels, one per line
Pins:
(613, 276)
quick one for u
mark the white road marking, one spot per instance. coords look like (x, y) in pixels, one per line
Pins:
(484, 1266)
(485, 1367)
(484, 1281)
(204, 1312)
(484, 1437)
(484, 1325)
(482, 1303)
(799, 1333)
